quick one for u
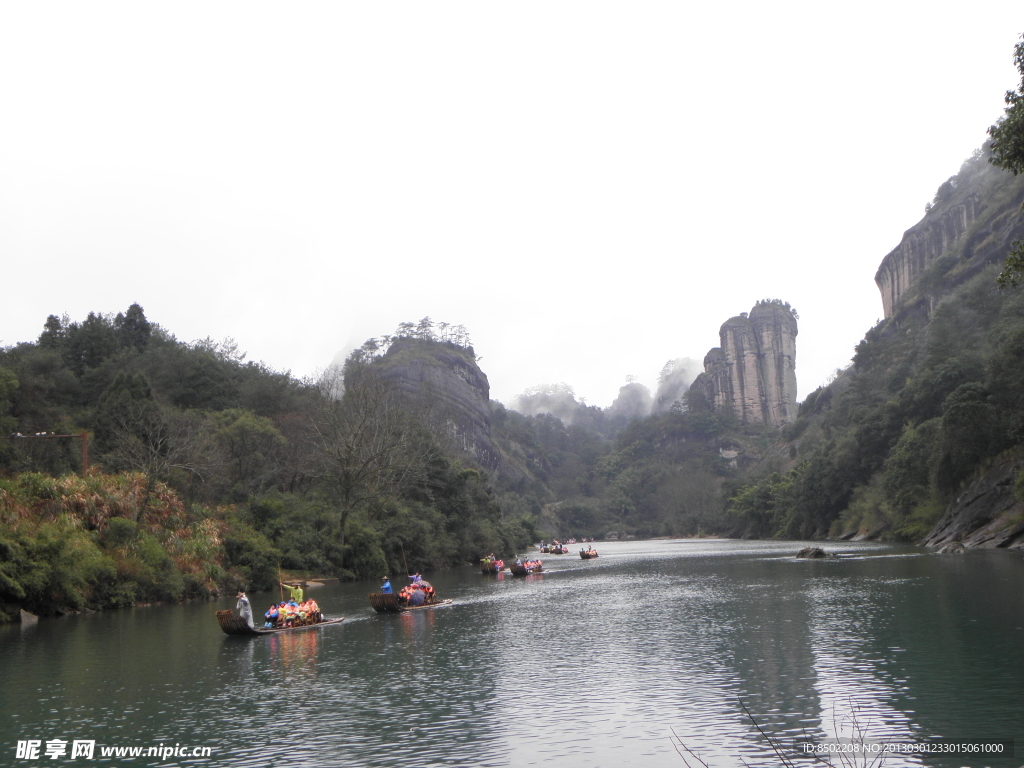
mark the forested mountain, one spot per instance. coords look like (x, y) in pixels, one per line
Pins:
(933, 405)
(919, 440)
(209, 472)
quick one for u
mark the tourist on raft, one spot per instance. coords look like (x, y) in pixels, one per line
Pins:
(414, 595)
(286, 615)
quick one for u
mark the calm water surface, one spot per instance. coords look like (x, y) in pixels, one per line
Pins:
(608, 662)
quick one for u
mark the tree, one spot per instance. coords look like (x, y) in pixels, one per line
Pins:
(1007, 151)
(127, 411)
(906, 477)
(54, 332)
(134, 432)
(89, 343)
(425, 329)
(693, 498)
(1007, 385)
(133, 328)
(970, 433)
(252, 447)
(366, 444)
(8, 384)
(763, 506)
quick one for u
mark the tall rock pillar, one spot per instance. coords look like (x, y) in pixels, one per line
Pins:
(753, 373)
(775, 329)
(742, 355)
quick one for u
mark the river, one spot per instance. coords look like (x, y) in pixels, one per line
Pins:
(631, 659)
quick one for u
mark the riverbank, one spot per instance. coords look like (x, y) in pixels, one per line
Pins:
(989, 514)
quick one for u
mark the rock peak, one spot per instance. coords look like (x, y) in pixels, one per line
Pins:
(753, 372)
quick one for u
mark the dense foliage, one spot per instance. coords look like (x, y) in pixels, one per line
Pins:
(934, 399)
(76, 542)
(194, 450)
(656, 476)
(1007, 150)
(209, 472)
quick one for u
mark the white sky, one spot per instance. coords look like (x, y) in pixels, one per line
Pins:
(591, 188)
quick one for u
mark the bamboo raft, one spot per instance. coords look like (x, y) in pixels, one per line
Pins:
(587, 555)
(522, 570)
(491, 566)
(383, 603)
(236, 625)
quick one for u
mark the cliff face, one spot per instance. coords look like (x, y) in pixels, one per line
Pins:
(753, 372)
(921, 246)
(454, 392)
(975, 218)
(986, 514)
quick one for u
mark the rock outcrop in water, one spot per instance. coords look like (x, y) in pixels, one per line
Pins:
(753, 372)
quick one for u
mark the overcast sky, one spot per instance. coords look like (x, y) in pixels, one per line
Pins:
(591, 188)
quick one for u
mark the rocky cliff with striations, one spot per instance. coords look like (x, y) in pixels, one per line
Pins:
(973, 220)
(969, 227)
(753, 373)
(987, 514)
(454, 393)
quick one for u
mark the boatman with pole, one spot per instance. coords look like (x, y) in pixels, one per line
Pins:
(243, 608)
(295, 592)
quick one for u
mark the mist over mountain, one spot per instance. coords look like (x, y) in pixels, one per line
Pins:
(673, 381)
(558, 400)
(634, 401)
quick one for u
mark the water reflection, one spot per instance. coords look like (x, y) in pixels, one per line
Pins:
(590, 663)
(854, 690)
(294, 655)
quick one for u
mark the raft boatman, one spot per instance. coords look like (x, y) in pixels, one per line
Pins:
(295, 591)
(385, 586)
(243, 608)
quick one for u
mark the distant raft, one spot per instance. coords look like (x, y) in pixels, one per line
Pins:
(414, 597)
(588, 554)
(488, 565)
(236, 625)
(524, 569)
